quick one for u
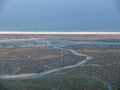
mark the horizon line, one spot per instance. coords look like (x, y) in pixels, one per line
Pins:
(27, 32)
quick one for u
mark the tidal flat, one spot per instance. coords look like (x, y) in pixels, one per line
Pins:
(59, 62)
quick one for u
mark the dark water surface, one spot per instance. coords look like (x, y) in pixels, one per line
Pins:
(59, 15)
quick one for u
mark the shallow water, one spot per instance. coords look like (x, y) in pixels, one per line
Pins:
(57, 43)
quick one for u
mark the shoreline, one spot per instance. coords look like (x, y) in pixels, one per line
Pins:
(17, 32)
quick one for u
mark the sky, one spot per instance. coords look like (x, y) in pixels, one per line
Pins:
(60, 15)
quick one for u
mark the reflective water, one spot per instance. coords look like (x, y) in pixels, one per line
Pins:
(59, 15)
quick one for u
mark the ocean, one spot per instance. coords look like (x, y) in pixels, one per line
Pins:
(60, 15)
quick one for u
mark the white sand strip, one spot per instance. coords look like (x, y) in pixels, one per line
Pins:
(8, 32)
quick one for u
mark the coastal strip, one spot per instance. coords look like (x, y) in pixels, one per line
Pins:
(17, 32)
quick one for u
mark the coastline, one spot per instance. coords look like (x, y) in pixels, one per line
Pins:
(16, 32)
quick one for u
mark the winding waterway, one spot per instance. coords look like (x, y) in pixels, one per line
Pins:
(36, 75)
(57, 46)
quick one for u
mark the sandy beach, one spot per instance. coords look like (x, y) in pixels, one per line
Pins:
(15, 32)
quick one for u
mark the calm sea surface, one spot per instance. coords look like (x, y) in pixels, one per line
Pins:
(60, 15)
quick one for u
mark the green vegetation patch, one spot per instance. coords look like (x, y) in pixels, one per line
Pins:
(56, 82)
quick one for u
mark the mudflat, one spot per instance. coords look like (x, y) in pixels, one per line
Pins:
(60, 58)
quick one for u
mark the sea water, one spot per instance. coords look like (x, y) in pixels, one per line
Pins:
(60, 15)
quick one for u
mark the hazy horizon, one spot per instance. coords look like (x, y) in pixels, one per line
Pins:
(60, 16)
